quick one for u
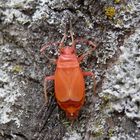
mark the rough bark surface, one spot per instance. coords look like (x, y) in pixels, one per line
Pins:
(25, 25)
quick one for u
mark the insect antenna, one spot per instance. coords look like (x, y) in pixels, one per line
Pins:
(72, 38)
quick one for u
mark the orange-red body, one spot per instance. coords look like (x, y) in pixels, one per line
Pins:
(69, 83)
(69, 79)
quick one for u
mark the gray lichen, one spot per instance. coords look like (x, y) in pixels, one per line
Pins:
(26, 25)
(122, 83)
(9, 93)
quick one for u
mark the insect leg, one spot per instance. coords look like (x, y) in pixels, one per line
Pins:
(45, 86)
(45, 46)
(83, 55)
(90, 43)
(94, 80)
(51, 59)
(61, 44)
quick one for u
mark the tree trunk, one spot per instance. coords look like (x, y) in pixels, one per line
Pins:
(113, 26)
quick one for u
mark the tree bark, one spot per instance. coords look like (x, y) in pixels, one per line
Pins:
(113, 26)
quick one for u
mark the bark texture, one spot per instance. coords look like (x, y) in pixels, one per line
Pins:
(113, 25)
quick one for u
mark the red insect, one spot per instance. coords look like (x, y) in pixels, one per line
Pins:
(69, 78)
